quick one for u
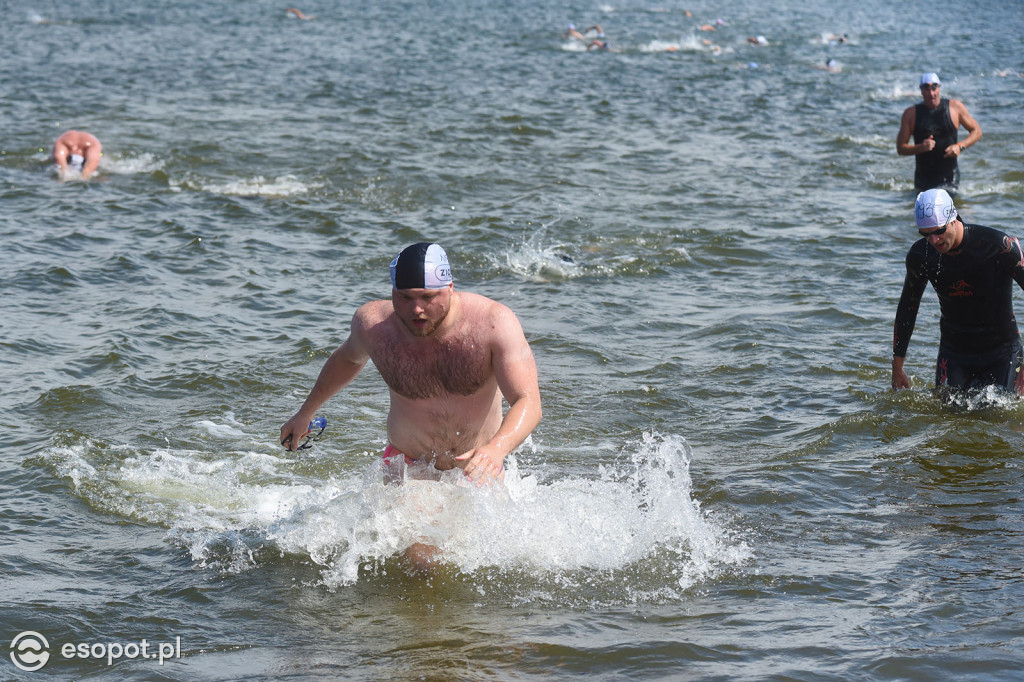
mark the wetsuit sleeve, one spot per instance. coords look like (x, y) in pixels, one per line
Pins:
(906, 311)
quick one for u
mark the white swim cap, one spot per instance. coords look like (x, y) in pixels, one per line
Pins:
(934, 208)
(929, 78)
(421, 266)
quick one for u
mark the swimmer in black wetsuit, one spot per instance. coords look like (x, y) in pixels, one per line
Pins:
(972, 269)
(934, 124)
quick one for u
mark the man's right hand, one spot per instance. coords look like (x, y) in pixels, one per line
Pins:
(294, 430)
(900, 379)
(928, 144)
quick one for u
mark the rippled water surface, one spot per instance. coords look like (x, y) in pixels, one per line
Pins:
(703, 239)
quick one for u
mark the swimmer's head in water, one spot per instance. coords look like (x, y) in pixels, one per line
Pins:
(934, 208)
(421, 266)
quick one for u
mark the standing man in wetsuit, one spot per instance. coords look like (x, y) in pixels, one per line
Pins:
(972, 269)
(934, 124)
(448, 358)
(77, 150)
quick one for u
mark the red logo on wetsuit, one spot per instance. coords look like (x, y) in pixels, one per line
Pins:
(961, 289)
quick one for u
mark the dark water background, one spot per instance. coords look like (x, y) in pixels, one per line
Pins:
(704, 245)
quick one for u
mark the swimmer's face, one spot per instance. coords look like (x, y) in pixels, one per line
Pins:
(946, 240)
(931, 94)
(422, 310)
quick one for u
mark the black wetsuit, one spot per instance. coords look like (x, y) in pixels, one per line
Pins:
(979, 342)
(933, 169)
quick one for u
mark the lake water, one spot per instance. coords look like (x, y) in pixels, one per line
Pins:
(704, 243)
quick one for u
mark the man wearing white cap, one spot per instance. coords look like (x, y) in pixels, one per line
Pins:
(448, 358)
(972, 269)
(934, 124)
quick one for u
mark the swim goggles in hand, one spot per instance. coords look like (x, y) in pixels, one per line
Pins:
(318, 423)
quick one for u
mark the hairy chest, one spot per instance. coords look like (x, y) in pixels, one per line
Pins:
(420, 371)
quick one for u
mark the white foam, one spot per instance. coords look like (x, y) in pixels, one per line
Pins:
(219, 430)
(989, 397)
(543, 263)
(574, 46)
(659, 46)
(131, 165)
(896, 91)
(281, 186)
(230, 508)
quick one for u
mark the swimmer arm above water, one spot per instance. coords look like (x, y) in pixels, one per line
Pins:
(340, 369)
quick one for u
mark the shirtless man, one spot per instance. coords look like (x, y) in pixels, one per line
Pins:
(934, 123)
(79, 151)
(448, 359)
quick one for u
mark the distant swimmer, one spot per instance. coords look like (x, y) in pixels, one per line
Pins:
(77, 151)
(972, 269)
(448, 358)
(834, 39)
(299, 14)
(758, 40)
(571, 32)
(934, 124)
(599, 42)
(832, 66)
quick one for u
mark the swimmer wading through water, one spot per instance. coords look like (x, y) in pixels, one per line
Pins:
(449, 358)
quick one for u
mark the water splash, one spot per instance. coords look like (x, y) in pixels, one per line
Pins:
(281, 186)
(630, 530)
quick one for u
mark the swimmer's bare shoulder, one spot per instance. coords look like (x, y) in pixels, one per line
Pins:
(499, 328)
(374, 312)
(486, 313)
(369, 321)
